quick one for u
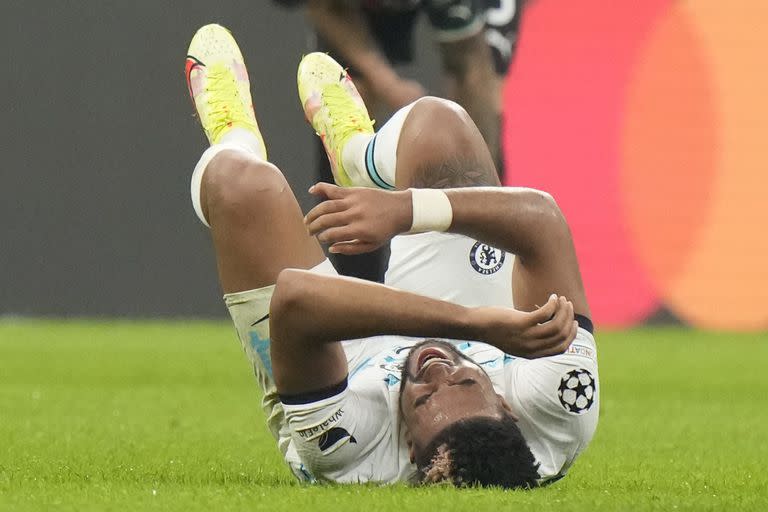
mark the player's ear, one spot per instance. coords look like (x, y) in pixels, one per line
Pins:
(411, 451)
(506, 407)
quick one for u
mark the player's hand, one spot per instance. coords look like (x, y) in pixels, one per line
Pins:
(356, 220)
(546, 331)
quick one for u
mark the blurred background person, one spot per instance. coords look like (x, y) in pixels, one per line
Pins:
(476, 41)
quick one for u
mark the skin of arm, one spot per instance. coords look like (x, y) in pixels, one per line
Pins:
(343, 26)
(523, 221)
(310, 313)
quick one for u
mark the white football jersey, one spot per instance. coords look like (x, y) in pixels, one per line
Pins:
(357, 435)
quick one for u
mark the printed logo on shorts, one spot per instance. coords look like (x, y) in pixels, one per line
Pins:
(317, 430)
(334, 439)
(486, 259)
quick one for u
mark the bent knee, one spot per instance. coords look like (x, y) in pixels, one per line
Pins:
(442, 112)
(439, 122)
(236, 182)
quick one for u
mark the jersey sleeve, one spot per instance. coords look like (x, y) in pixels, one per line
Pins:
(557, 401)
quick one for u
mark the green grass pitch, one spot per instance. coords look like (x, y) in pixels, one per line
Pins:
(165, 416)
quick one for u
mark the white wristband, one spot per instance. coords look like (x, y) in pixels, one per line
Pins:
(432, 210)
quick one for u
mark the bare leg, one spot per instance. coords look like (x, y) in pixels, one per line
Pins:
(441, 147)
(256, 223)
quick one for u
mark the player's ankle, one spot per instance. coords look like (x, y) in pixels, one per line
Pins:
(246, 139)
(353, 159)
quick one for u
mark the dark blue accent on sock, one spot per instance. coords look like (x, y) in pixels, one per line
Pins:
(370, 166)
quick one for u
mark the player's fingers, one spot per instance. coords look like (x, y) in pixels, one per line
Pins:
(324, 208)
(327, 221)
(544, 313)
(552, 332)
(560, 342)
(571, 336)
(546, 328)
(562, 345)
(337, 235)
(352, 247)
(561, 325)
(328, 190)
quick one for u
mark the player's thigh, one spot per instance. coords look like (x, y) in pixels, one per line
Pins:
(441, 147)
(256, 223)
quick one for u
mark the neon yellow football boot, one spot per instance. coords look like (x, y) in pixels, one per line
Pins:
(333, 107)
(218, 84)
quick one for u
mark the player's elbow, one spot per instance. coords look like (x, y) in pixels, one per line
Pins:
(544, 205)
(545, 216)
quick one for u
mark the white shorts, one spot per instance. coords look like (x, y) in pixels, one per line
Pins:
(451, 267)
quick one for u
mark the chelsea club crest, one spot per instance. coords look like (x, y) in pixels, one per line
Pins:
(486, 259)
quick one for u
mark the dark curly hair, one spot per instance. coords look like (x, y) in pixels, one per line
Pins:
(479, 452)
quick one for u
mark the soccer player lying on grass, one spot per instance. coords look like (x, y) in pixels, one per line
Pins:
(436, 376)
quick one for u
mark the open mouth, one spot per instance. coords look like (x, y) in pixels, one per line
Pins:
(431, 356)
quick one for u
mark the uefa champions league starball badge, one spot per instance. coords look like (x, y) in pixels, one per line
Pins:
(577, 391)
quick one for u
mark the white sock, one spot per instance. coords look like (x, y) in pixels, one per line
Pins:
(353, 160)
(372, 161)
(205, 159)
(245, 138)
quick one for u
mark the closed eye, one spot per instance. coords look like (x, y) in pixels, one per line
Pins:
(424, 398)
(421, 400)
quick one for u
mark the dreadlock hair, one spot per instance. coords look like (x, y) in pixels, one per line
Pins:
(480, 452)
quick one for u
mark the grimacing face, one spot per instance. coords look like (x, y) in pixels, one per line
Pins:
(440, 386)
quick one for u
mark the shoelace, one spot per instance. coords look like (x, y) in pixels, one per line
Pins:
(222, 93)
(347, 117)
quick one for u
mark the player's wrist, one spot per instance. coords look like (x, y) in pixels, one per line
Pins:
(477, 325)
(403, 211)
(431, 210)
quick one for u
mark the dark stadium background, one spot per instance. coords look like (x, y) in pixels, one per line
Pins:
(99, 143)
(646, 122)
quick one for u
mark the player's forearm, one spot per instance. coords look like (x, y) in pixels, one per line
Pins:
(310, 308)
(523, 221)
(529, 224)
(343, 27)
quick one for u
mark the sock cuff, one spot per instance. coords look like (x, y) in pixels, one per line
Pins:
(380, 158)
(202, 165)
(369, 161)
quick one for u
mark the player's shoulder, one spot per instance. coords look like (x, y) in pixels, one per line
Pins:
(566, 383)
